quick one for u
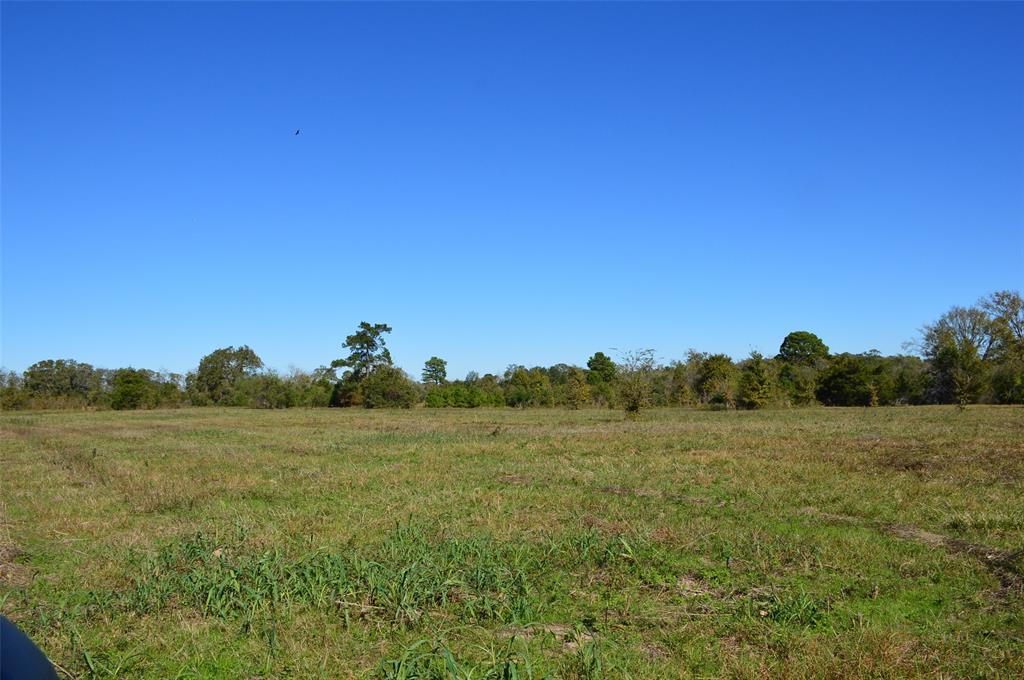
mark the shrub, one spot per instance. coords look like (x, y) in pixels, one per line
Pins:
(634, 380)
(757, 384)
(133, 389)
(388, 387)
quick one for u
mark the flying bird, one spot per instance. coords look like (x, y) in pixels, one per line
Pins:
(298, 131)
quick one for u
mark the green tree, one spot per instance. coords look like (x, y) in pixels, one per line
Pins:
(1006, 310)
(312, 389)
(435, 371)
(577, 389)
(803, 348)
(388, 387)
(679, 391)
(1006, 313)
(64, 382)
(856, 380)
(12, 393)
(635, 373)
(963, 368)
(799, 383)
(602, 369)
(757, 383)
(266, 390)
(714, 383)
(219, 374)
(366, 351)
(133, 389)
(527, 387)
(959, 347)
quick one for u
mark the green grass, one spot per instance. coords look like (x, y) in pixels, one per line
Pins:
(517, 544)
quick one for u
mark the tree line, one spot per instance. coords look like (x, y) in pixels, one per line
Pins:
(969, 355)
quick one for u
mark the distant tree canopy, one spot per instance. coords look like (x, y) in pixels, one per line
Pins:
(133, 389)
(435, 371)
(64, 379)
(758, 382)
(388, 387)
(635, 380)
(968, 355)
(715, 379)
(802, 348)
(220, 373)
(602, 368)
(366, 351)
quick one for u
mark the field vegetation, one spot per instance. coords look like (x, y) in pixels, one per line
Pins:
(969, 355)
(517, 543)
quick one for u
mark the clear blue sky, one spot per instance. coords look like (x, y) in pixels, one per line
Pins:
(501, 183)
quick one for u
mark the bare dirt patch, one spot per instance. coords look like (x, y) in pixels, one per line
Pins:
(688, 586)
(653, 652)
(11, 573)
(1002, 563)
(569, 637)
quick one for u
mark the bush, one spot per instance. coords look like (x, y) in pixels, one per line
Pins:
(798, 383)
(527, 387)
(1008, 382)
(388, 387)
(856, 380)
(715, 380)
(460, 395)
(346, 393)
(634, 380)
(266, 390)
(133, 389)
(757, 384)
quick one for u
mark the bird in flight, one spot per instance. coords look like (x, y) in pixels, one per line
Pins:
(297, 131)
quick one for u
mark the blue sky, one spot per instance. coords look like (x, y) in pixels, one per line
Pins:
(501, 183)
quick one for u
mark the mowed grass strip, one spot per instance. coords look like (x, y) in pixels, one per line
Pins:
(508, 543)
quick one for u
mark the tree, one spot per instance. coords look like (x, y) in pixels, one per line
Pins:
(435, 371)
(634, 380)
(388, 387)
(798, 383)
(366, 349)
(602, 369)
(577, 389)
(961, 366)
(219, 374)
(266, 390)
(1006, 313)
(527, 387)
(856, 380)
(133, 389)
(757, 382)
(64, 380)
(679, 391)
(715, 379)
(803, 348)
(963, 326)
(959, 346)
(12, 393)
(1006, 309)
(367, 352)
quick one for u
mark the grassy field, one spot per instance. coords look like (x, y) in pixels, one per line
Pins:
(517, 544)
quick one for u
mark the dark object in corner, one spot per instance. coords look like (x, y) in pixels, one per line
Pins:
(20, 659)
